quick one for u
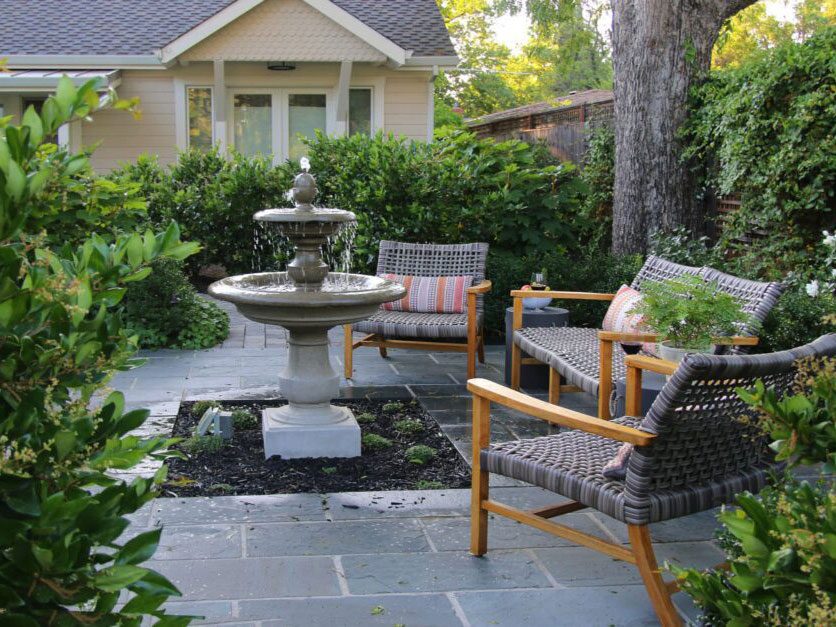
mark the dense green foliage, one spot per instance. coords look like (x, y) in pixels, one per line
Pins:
(164, 310)
(598, 174)
(781, 545)
(768, 132)
(213, 199)
(66, 264)
(688, 311)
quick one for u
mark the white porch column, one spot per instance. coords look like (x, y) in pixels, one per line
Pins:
(341, 126)
(219, 104)
(69, 136)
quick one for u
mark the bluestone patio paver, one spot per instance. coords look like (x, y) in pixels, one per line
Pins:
(387, 557)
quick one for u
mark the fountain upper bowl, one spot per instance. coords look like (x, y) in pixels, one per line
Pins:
(272, 298)
(305, 214)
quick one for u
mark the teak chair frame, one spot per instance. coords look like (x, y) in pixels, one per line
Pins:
(640, 551)
(474, 346)
(606, 340)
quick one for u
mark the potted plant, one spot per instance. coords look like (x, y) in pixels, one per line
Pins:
(688, 313)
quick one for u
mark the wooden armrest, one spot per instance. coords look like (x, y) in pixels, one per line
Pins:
(565, 295)
(654, 364)
(482, 288)
(556, 415)
(737, 340)
(616, 336)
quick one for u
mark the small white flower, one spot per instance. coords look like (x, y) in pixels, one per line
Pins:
(829, 240)
(812, 289)
(833, 273)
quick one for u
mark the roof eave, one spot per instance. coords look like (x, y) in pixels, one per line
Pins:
(433, 61)
(82, 61)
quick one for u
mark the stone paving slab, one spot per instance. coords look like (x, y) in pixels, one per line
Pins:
(336, 538)
(447, 571)
(252, 578)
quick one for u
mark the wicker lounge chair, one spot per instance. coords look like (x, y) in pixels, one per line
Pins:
(584, 359)
(692, 452)
(428, 331)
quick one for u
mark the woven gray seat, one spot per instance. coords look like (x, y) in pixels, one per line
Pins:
(703, 454)
(405, 329)
(409, 324)
(575, 353)
(572, 351)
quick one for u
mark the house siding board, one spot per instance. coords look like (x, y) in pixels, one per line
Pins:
(122, 138)
(284, 30)
(405, 110)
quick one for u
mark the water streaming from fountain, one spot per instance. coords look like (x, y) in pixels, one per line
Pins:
(307, 299)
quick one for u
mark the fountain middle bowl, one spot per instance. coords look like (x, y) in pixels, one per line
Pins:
(272, 298)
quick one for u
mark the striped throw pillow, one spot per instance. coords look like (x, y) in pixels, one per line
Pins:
(430, 294)
(620, 319)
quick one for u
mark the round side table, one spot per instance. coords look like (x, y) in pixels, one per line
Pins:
(532, 376)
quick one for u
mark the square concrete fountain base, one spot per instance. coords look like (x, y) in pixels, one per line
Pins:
(293, 441)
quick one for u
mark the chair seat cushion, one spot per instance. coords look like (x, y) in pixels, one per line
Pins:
(569, 463)
(407, 324)
(572, 351)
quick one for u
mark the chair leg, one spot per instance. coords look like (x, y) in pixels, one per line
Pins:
(481, 347)
(479, 478)
(646, 562)
(516, 359)
(554, 386)
(381, 347)
(348, 351)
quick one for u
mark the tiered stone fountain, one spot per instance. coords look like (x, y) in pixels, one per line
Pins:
(307, 300)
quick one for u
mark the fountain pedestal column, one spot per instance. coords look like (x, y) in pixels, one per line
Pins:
(309, 425)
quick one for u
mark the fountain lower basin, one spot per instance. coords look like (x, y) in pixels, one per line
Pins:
(309, 425)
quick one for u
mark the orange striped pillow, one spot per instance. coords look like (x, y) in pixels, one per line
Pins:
(430, 294)
(619, 317)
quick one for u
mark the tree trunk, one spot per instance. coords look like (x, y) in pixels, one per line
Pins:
(660, 48)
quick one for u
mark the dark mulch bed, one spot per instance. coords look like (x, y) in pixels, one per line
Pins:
(240, 468)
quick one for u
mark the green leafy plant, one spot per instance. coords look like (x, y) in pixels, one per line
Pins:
(689, 312)
(409, 426)
(244, 419)
(374, 442)
(802, 425)
(164, 310)
(424, 484)
(393, 407)
(420, 454)
(200, 407)
(62, 512)
(366, 418)
(200, 444)
(781, 545)
(329, 470)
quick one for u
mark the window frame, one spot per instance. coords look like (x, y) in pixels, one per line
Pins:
(187, 129)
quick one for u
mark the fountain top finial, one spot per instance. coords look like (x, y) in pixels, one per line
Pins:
(304, 187)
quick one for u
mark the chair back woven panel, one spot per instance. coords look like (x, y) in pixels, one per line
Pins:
(656, 269)
(757, 297)
(435, 260)
(704, 445)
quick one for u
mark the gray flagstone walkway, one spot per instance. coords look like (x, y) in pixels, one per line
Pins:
(382, 558)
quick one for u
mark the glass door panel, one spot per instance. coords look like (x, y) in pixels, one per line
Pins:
(306, 114)
(253, 124)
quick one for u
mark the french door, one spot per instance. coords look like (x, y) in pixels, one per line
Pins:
(273, 122)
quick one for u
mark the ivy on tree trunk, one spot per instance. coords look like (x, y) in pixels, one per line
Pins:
(660, 48)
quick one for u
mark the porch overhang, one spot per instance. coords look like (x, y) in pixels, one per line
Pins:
(46, 80)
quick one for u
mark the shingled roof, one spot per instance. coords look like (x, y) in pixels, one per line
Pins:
(139, 27)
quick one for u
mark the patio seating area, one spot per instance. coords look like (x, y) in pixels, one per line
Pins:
(398, 557)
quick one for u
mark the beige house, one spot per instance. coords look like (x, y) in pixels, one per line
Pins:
(254, 75)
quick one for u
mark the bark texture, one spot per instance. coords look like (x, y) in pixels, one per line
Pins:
(660, 47)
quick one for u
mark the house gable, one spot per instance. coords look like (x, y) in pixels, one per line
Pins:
(291, 30)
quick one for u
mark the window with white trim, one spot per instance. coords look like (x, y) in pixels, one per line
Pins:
(360, 111)
(199, 116)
